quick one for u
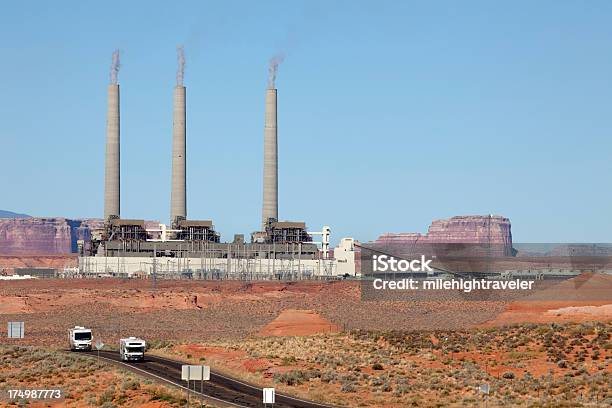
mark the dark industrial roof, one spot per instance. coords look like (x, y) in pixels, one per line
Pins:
(195, 223)
(121, 221)
(289, 224)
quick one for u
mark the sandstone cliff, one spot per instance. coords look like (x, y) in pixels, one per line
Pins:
(492, 230)
(464, 229)
(22, 236)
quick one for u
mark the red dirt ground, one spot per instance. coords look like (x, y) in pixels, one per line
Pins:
(298, 323)
(186, 311)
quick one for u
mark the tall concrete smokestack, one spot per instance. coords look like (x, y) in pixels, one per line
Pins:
(178, 207)
(112, 177)
(270, 176)
(178, 200)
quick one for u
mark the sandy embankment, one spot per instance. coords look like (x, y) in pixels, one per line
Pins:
(587, 297)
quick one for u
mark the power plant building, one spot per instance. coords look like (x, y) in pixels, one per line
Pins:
(192, 248)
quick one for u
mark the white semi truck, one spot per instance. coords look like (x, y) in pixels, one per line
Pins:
(80, 338)
(132, 349)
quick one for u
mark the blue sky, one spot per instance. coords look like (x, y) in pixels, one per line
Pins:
(391, 113)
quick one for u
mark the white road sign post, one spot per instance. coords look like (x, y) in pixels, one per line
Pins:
(16, 330)
(484, 389)
(99, 346)
(268, 396)
(195, 373)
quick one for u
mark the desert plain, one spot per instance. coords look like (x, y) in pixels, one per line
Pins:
(320, 340)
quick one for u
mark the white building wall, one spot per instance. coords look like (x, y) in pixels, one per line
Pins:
(344, 255)
(234, 268)
(230, 268)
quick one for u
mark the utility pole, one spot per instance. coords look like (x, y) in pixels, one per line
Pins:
(154, 268)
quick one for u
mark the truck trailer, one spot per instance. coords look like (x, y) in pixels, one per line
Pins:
(80, 338)
(132, 349)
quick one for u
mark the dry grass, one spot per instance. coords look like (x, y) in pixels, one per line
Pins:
(529, 365)
(83, 381)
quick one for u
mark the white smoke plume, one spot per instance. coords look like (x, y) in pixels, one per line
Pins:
(180, 72)
(114, 73)
(275, 61)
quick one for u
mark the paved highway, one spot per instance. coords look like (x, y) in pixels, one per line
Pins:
(220, 391)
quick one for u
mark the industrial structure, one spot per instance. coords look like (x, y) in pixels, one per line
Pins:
(112, 174)
(192, 248)
(178, 200)
(270, 169)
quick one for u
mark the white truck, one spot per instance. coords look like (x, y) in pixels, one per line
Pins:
(80, 338)
(132, 349)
